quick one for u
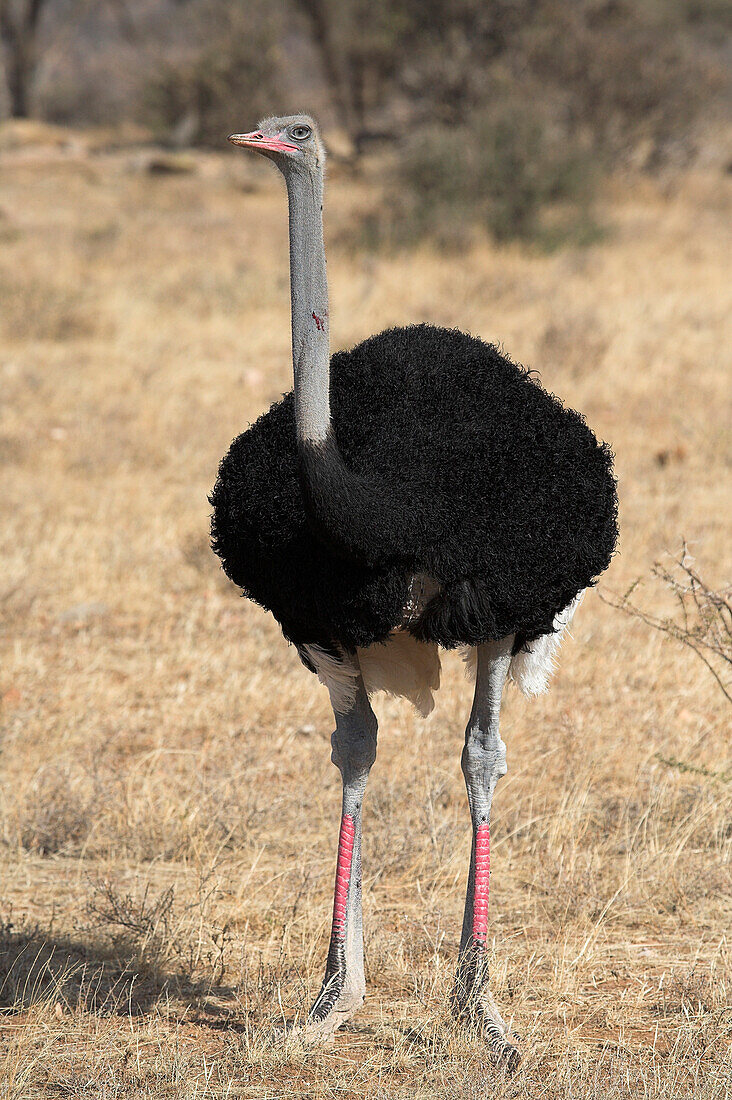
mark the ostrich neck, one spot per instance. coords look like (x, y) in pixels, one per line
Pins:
(309, 298)
(347, 510)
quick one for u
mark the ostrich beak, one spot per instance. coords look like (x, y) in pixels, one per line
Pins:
(260, 143)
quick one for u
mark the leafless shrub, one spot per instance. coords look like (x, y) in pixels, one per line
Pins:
(144, 918)
(702, 619)
(156, 933)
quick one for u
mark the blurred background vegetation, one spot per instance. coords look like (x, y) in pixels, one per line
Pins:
(503, 114)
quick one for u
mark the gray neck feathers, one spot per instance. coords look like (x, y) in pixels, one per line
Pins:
(340, 505)
(309, 296)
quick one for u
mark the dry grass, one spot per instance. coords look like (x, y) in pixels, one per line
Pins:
(166, 874)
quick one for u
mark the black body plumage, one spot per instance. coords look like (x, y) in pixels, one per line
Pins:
(466, 470)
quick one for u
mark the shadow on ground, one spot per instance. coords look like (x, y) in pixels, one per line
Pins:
(37, 967)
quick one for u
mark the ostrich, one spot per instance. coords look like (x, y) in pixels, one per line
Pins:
(417, 491)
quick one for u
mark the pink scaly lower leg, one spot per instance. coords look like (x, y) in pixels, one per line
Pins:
(483, 762)
(343, 876)
(481, 884)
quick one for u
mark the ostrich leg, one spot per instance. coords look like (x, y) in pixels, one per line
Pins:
(344, 985)
(483, 763)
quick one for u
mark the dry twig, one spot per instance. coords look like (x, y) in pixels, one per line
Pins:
(703, 620)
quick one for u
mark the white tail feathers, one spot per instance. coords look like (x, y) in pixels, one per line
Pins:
(402, 666)
(531, 668)
(338, 676)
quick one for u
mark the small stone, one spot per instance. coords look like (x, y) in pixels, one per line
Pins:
(83, 612)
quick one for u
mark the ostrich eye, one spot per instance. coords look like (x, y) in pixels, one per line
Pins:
(300, 132)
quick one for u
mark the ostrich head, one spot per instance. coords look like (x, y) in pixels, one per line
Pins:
(291, 141)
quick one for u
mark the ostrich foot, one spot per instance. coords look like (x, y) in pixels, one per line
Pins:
(336, 1003)
(477, 1010)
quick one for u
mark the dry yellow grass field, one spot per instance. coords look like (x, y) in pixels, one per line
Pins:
(166, 874)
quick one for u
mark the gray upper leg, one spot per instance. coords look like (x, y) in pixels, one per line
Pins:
(354, 738)
(484, 754)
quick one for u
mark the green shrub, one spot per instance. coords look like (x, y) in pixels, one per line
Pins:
(506, 172)
(216, 87)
